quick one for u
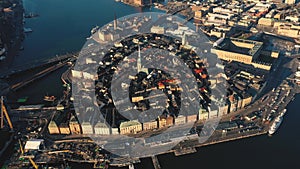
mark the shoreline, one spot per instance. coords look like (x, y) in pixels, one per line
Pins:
(12, 34)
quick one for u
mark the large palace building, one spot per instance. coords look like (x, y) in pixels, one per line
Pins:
(244, 51)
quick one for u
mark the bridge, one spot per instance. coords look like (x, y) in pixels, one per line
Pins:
(37, 76)
(36, 64)
(175, 9)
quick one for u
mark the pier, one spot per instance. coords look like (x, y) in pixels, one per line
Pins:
(155, 162)
(183, 151)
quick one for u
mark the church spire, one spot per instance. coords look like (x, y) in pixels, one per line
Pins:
(139, 60)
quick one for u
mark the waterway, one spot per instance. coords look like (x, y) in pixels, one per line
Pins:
(64, 25)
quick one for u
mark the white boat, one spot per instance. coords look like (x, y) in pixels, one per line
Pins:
(27, 30)
(277, 122)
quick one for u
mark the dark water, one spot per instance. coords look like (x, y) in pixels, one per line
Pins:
(262, 152)
(63, 27)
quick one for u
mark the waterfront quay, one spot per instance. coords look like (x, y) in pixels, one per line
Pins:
(260, 75)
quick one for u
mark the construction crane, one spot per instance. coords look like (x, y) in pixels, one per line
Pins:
(29, 158)
(4, 112)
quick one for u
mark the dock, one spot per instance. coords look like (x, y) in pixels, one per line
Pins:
(184, 151)
(155, 162)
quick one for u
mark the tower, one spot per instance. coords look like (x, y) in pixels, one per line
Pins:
(140, 68)
(115, 22)
(183, 39)
(139, 61)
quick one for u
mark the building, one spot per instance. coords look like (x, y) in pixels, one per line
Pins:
(74, 126)
(292, 18)
(217, 33)
(34, 144)
(203, 115)
(199, 14)
(240, 50)
(130, 127)
(115, 131)
(53, 128)
(169, 121)
(223, 109)
(286, 30)
(213, 114)
(276, 1)
(233, 105)
(180, 120)
(101, 129)
(107, 36)
(192, 118)
(290, 1)
(150, 125)
(104, 35)
(247, 99)
(87, 128)
(157, 29)
(138, 2)
(266, 21)
(162, 122)
(64, 128)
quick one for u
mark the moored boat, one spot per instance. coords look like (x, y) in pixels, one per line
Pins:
(277, 122)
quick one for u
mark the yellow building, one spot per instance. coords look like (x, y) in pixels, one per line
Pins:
(203, 114)
(180, 120)
(52, 128)
(165, 121)
(246, 101)
(266, 21)
(199, 14)
(130, 127)
(290, 1)
(74, 126)
(64, 128)
(150, 125)
(192, 118)
(288, 31)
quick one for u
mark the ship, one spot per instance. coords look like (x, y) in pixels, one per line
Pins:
(277, 122)
(31, 15)
(27, 30)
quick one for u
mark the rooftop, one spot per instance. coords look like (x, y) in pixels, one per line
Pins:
(243, 46)
(129, 123)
